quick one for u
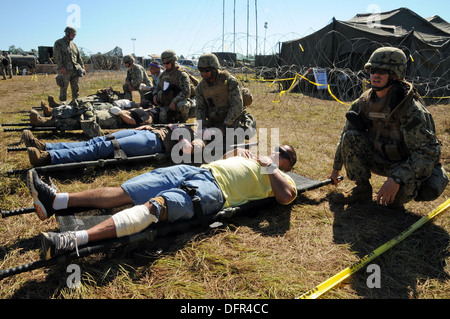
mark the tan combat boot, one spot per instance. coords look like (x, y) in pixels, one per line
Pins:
(52, 102)
(37, 120)
(38, 157)
(30, 141)
(47, 110)
(362, 192)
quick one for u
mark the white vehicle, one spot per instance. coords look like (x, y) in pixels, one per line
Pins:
(189, 64)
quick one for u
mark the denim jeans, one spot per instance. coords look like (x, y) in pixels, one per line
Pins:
(132, 142)
(166, 182)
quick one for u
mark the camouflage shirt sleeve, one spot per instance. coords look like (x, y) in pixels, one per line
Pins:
(200, 104)
(185, 88)
(419, 134)
(136, 76)
(235, 100)
(338, 161)
(57, 51)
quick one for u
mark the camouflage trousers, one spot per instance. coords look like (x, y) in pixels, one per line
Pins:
(180, 115)
(2, 71)
(127, 94)
(63, 81)
(360, 160)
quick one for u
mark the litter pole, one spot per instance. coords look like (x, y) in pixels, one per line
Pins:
(16, 124)
(20, 211)
(16, 149)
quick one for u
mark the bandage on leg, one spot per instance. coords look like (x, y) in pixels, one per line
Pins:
(133, 220)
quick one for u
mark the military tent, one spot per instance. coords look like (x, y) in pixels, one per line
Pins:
(347, 45)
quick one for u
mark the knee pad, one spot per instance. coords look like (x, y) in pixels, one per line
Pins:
(133, 220)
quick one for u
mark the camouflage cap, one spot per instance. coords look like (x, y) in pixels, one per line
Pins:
(388, 58)
(169, 55)
(208, 60)
(128, 59)
(70, 30)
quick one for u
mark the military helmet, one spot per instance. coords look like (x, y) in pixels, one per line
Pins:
(388, 58)
(169, 55)
(128, 59)
(70, 30)
(208, 60)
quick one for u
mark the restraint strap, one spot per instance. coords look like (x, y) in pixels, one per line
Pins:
(118, 151)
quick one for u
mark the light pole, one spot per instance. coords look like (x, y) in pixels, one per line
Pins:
(134, 40)
(265, 32)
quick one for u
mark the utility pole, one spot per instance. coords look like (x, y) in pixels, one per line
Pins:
(265, 33)
(256, 24)
(134, 40)
(234, 27)
(223, 25)
(247, 25)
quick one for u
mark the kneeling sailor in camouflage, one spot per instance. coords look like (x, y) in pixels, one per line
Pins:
(174, 92)
(221, 100)
(136, 75)
(390, 132)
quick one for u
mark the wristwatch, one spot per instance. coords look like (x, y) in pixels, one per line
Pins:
(397, 180)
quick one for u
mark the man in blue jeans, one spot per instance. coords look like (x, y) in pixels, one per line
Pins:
(143, 140)
(165, 194)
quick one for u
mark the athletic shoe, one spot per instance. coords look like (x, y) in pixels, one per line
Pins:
(54, 244)
(43, 195)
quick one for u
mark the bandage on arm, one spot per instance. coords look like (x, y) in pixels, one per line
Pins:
(133, 220)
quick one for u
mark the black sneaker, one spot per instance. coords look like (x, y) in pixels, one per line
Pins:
(54, 244)
(43, 195)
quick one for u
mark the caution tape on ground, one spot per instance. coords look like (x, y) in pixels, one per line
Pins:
(344, 274)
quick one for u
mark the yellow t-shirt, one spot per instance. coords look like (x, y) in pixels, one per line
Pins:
(242, 180)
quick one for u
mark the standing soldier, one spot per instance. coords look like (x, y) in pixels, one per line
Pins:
(70, 64)
(174, 91)
(3, 63)
(390, 132)
(136, 75)
(9, 65)
(221, 100)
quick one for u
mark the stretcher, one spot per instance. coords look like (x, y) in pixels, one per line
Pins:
(80, 219)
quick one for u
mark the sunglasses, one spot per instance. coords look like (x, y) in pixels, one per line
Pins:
(284, 154)
(379, 71)
(204, 70)
(166, 62)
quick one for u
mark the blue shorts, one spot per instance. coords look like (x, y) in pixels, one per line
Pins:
(166, 182)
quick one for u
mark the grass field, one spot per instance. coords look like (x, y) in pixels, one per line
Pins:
(276, 252)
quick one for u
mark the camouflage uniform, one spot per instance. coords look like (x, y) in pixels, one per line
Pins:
(135, 75)
(3, 62)
(399, 140)
(67, 55)
(174, 86)
(223, 104)
(8, 67)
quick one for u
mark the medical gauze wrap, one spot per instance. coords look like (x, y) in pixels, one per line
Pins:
(133, 220)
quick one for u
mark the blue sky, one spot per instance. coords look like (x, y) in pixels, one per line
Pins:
(188, 27)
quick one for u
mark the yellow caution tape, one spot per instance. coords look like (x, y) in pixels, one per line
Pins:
(344, 274)
(283, 92)
(331, 93)
(435, 97)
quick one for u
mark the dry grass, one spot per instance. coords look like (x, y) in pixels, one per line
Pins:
(275, 252)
